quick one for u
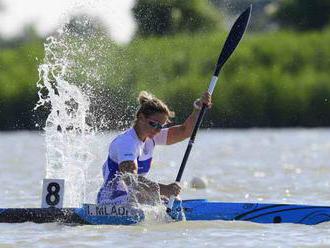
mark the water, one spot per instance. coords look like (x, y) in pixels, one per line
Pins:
(268, 165)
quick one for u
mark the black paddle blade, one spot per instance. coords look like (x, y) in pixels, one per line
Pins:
(234, 37)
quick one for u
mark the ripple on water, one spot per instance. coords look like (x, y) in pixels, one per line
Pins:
(231, 178)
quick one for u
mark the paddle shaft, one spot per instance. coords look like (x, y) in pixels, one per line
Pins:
(234, 37)
(192, 140)
(193, 135)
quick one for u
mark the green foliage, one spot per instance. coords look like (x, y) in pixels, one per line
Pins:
(18, 79)
(304, 14)
(278, 79)
(163, 17)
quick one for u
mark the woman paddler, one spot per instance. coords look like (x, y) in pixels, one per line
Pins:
(131, 151)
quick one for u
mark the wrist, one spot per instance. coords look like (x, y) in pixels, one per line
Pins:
(164, 189)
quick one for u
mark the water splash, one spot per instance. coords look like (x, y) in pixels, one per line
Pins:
(145, 195)
(67, 131)
(80, 85)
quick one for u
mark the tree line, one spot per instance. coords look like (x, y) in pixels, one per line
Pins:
(274, 79)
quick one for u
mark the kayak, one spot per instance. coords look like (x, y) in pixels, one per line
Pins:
(188, 210)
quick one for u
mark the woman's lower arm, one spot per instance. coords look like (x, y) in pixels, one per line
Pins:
(190, 123)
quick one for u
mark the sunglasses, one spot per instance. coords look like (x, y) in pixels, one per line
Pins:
(156, 124)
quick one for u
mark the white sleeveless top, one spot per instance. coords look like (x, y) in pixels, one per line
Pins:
(128, 147)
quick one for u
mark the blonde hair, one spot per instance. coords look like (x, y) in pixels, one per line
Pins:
(149, 105)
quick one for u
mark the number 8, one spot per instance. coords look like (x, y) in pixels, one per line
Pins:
(53, 198)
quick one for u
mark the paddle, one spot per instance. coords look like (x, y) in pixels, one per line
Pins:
(234, 37)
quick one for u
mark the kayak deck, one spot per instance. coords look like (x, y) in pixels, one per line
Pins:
(256, 212)
(193, 210)
(89, 214)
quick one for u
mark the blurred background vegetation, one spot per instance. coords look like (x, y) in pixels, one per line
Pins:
(278, 77)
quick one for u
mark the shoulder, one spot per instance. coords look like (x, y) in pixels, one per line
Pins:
(125, 137)
(125, 141)
(124, 147)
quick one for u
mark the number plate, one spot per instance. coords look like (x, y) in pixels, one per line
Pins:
(52, 193)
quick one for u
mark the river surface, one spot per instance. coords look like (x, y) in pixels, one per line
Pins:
(253, 165)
